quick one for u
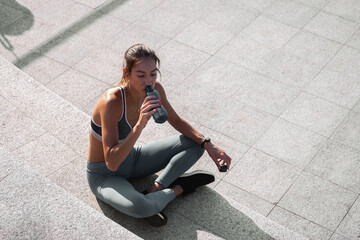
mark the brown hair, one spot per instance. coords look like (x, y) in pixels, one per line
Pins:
(135, 54)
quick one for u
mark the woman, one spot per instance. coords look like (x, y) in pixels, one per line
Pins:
(117, 122)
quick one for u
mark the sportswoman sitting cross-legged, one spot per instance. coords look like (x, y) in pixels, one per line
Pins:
(117, 122)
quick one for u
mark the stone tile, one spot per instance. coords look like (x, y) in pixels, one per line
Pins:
(187, 8)
(103, 63)
(68, 48)
(45, 154)
(18, 129)
(129, 10)
(349, 9)
(64, 13)
(251, 201)
(257, 43)
(315, 114)
(69, 84)
(33, 207)
(31, 39)
(263, 93)
(210, 210)
(229, 15)
(10, 15)
(164, 22)
(314, 3)
(318, 200)
(180, 59)
(204, 36)
(338, 81)
(99, 27)
(91, 3)
(136, 34)
(332, 27)
(290, 12)
(216, 26)
(262, 175)
(354, 41)
(224, 78)
(241, 122)
(256, 5)
(170, 81)
(348, 132)
(154, 132)
(311, 47)
(89, 108)
(5, 107)
(72, 178)
(298, 224)
(291, 69)
(338, 237)
(24, 4)
(270, 33)
(244, 50)
(338, 164)
(44, 69)
(9, 163)
(177, 225)
(52, 112)
(219, 77)
(349, 227)
(234, 149)
(290, 143)
(356, 108)
(188, 96)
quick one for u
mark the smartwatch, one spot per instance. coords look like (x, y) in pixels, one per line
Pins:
(205, 141)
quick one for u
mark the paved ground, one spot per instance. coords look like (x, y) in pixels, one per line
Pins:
(273, 82)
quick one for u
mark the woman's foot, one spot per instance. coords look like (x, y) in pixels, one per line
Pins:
(190, 181)
(154, 188)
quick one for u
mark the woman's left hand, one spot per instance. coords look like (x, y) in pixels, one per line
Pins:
(218, 155)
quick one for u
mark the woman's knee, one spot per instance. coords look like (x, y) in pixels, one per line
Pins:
(141, 208)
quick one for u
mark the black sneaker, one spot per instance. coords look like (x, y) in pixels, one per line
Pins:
(157, 220)
(190, 181)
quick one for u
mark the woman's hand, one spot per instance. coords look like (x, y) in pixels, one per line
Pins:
(218, 155)
(148, 108)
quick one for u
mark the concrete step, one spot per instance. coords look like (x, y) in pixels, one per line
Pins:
(65, 125)
(33, 207)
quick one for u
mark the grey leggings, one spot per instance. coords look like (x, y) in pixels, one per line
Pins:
(175, 155)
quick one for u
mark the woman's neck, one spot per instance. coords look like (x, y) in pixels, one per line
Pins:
(134, 96)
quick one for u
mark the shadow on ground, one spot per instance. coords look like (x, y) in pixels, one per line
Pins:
(208, 213)
(26, 23)
(18, 16)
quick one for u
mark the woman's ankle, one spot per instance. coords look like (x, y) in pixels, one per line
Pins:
(177, 190)
(155, 187)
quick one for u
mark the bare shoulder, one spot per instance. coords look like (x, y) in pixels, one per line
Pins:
(110, 104)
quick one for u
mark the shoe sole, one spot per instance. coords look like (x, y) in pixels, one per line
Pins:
(157, 220)
(204, 181)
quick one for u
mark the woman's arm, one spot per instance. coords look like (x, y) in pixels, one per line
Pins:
(114, 152)
(217, 154)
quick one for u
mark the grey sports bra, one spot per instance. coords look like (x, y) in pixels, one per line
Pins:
(123, 125)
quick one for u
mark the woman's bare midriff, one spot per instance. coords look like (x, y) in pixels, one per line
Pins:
(95, 151)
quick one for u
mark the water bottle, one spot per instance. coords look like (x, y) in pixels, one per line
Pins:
(160, 116)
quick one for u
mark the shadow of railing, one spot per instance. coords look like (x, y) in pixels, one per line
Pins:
(208, 212)
(67, 33)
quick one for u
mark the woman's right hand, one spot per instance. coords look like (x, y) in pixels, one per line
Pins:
(147, 109)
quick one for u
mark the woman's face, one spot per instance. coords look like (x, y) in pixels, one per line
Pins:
(143, 74)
